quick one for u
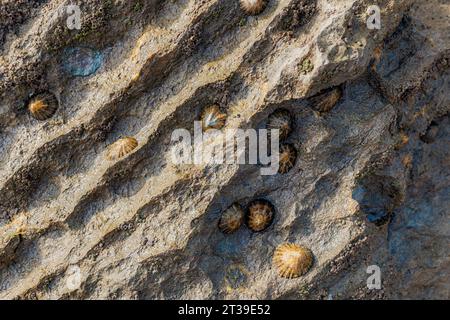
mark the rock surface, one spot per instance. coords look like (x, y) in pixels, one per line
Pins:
(371, 184)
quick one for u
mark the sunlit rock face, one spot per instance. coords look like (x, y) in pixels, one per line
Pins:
(368, 119)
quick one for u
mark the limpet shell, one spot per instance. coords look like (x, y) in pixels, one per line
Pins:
(43, 106)
(326, 101)
(260, 215)
(231, 219)
(281, 119)
(121, 147)
(288, 156)
(292, 260)
(213, 118)
(253, 7)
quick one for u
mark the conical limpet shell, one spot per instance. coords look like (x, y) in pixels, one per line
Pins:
(326, 101)
(288, 155)
(281, 119)
(253, 7)
(260, 215)
(292, 260)
(231, 219)
(43, 106)
(213, 118)
(121, 147)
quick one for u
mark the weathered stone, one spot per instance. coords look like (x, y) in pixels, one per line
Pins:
(370, 184)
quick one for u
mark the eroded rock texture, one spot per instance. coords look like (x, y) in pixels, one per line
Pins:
(371, 184)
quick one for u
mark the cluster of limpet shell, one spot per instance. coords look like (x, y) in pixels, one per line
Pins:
(292, 260)
(259, 217)
(121, 147)
(43, 106)
(282, 120)
(213, 118)
(253, 7)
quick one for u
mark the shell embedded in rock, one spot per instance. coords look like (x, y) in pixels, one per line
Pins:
(121, 147)
(253, 7)
(326, 101)
(213, 118)
(43, 106)
(281, 119)
(260, 215)
(288, 155)
(236, 276)
(231, 219)
(81, 61)
(292, 260)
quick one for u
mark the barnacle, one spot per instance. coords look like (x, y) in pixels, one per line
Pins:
(121, 147)
(43, 106)
(213, 118)
(292, 260)
(253, 7)
(281, 119)
(231, 219)
(326, 101)
(306, 66)
(260, 215)
(288, 155)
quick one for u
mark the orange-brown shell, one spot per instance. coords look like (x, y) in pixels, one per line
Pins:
(292, 260)
(281, 119)
(253, 7)
(43, 106)
(288, 156)
(325, 102)
(260, 215)
(121, 147)
(231, 219)
(213, 118)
